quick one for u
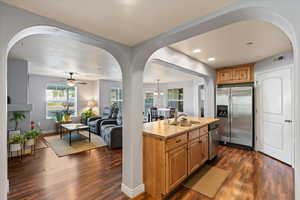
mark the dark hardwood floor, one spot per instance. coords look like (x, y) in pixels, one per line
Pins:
(96, 175)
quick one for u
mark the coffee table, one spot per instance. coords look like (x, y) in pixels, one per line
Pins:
(73, 128)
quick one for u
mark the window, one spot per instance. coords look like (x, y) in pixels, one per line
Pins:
(57, 96)
(149, 101)
(116, 97)
(175, 99)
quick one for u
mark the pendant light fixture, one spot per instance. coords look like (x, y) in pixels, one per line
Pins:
(158, 92)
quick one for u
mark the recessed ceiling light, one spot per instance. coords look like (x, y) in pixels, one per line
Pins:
(249, 43)
(197, 51)
(211, 59)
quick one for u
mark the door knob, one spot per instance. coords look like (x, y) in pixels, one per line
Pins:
(288, 121)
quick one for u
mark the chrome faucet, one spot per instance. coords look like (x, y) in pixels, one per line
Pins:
(177, 116)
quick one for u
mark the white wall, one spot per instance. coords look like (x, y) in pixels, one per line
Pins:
(37, 97)
(17, 90)
(190, 93)
(272, 62)
(105, 87)
(17, 81)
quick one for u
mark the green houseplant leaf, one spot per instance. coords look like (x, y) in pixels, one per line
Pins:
(17, 139)
(17, 117)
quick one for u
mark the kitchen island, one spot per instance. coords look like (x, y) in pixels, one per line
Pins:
(172, 152)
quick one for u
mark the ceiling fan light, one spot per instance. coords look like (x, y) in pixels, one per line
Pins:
(71, 83)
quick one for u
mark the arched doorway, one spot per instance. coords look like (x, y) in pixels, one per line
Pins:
(57, 39)
(244, 14)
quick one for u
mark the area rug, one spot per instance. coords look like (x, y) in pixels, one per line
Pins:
(80, 143)
(207, 180)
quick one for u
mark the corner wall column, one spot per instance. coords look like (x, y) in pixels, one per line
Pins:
(209, 110)
(3, 126)
(132, 174)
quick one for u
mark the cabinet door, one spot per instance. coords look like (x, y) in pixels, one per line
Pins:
(176, 167)
(195, 156)
(224, 76)
(204, 148)
(242, 74)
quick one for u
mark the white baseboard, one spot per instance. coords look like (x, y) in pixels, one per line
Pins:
(48, 131)
(7, 186)
(131, 193)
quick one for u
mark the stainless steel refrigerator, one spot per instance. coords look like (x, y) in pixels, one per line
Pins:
(234, 106)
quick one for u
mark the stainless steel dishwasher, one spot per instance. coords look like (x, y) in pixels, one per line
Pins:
(213, 140)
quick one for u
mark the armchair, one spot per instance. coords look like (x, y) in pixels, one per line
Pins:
(111, 132)
(95, 122)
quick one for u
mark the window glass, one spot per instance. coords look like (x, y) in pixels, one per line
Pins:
(175, 98)
(116, 97)
(149, 101)
(57, 96)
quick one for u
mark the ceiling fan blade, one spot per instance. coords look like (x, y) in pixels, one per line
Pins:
(60, 81)
(81, 82)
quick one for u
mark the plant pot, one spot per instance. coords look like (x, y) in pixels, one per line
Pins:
(29, 142)
(67, 117)
(15, 147)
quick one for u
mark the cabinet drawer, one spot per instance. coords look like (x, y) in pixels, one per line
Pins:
(203, 130)
(194, 134)
(176, 141)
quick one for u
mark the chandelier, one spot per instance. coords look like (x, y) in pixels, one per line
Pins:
(158, 92)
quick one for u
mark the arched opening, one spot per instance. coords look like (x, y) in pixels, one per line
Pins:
(171, 85)
(40, 60)
(280, 57)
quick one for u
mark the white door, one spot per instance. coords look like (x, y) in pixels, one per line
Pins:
(275, 114)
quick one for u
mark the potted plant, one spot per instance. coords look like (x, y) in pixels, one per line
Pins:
(88, 113)
(67, 112)
(31, 136)
(17, 117)
(59, 116)
(15, 143)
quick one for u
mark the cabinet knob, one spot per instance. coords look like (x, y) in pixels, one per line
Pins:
(177, 141)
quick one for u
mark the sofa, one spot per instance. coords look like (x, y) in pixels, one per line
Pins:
(95, 122)
(111, 132)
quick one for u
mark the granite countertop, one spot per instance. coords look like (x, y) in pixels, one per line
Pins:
(163, 130)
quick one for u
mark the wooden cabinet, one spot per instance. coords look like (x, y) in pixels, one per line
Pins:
(167, 163)
(195, 157)
(224, 75)
(235, 74)
(204, 148)
(176, 167)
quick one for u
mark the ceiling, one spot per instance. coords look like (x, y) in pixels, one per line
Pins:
(228, 44)
(126, 21)
(54, 56)
(155, 71)
(51, 55)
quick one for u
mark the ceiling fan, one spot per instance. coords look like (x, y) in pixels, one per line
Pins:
(71, 81)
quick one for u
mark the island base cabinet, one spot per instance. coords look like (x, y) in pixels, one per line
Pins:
(204, 149)
(195, 156)
(176, 167)
(167, 163)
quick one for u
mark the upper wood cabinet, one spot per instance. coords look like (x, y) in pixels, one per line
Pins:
(235, 74)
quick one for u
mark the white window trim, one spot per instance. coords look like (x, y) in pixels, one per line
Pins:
(46, 102)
